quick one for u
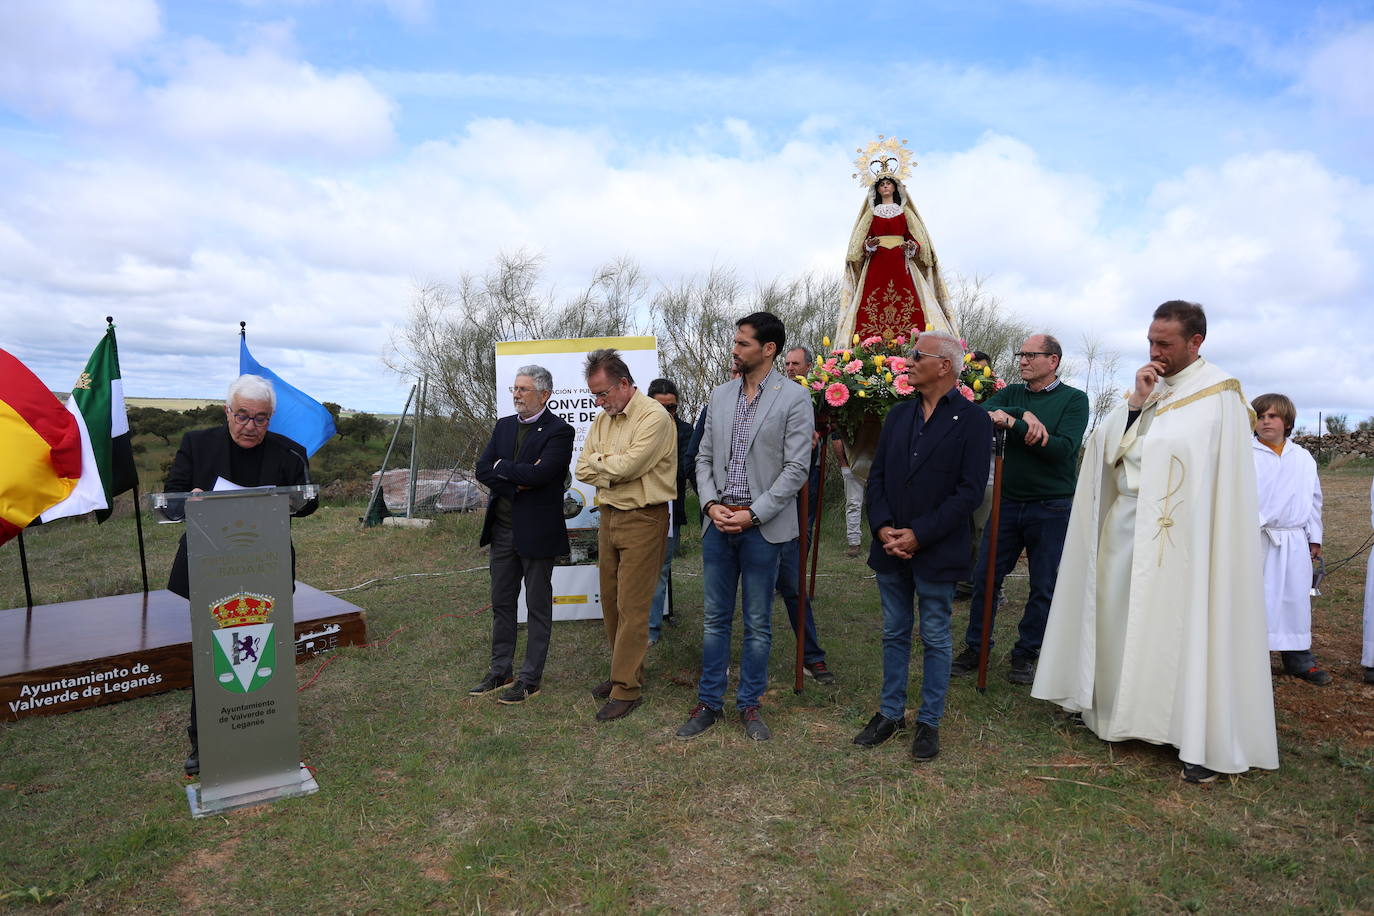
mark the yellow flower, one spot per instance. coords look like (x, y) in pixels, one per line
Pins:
(929, 327)
(861, 393)
(846, 355)
(856, 340)
(825, 379)
(968, 357)
(878, 360)
(826, 342)
(977, 384)
(887, 376)
(987, 372)
(801, 380)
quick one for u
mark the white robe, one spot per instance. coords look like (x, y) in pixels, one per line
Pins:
(1290, 510)
(1157, 629)
(1367, 659)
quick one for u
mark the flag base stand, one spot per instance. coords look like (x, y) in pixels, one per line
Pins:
(306, 786)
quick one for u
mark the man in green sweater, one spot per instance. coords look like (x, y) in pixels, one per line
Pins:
(1045, 420)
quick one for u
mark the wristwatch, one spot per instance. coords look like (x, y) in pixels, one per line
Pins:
(754, 518)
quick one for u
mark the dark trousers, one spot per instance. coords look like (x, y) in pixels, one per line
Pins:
(1039, 528)
(789, 567)
(508, 570)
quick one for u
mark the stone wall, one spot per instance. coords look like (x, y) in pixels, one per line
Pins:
(1360, 444)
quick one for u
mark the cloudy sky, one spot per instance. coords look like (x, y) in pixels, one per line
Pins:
(303, 165)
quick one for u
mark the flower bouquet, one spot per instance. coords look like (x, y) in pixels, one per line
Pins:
(859, 383)
(978, 383)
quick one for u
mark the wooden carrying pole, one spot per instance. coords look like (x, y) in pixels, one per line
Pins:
(815, 523)
(999, 442)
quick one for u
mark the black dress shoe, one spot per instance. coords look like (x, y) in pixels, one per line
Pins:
(964, 662)
(926, 744)
(192, 763)
(489, 684)
(1022, 671)
(879, 729)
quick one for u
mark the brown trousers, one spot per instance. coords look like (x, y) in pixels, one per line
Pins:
(631, 544)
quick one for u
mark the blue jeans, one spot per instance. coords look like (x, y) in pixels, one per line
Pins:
(898, 591)
(748, 562)
(1039, 528)
(789, 567)
(661, 593)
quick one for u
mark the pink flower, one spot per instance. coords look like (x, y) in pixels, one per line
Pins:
(896, 363)
(817, 386)
(837, 394)
(902, 385)
(899, 340)
(963, 343)
(872, 341)
(967, 392)
(830, 366)
(999, 385)
(915, 332)
(853, 366)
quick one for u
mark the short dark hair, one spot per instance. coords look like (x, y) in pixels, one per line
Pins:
(980, 355)
(1188, 314)
(662, 386)
(1052, 346)
(1279, 404)
(768, 328)
(609, 362)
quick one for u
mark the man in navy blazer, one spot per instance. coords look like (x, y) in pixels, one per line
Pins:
(927, 478)
(525, 465)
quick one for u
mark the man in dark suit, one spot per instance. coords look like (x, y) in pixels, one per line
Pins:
(927, 478)
(241, 452)
(524, 465)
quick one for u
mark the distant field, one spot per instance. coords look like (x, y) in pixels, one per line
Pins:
(179, 404)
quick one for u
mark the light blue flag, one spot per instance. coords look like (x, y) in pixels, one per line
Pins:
(298, 416)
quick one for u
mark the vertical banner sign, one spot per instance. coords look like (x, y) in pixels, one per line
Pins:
(576, 585)
(242, 643)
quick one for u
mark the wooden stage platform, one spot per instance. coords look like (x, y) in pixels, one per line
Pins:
(57, 658)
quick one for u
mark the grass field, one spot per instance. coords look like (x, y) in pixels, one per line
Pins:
(433, 801)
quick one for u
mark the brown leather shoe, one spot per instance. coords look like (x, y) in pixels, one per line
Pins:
(602, 691)
(617, 709)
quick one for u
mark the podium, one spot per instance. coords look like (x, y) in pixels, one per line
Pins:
(238, 549)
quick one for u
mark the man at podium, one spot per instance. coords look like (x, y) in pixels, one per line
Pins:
(242, 453)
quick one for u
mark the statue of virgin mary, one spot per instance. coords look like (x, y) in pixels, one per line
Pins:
(892, 276)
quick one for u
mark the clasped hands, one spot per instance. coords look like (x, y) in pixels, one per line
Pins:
(898, 542)
(730, 522)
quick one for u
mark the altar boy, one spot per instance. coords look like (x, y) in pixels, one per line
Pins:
(1290, 504)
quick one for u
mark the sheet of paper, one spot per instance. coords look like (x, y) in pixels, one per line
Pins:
(222, 484)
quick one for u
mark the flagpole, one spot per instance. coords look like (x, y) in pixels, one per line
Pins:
(138, 524)
(24, 565)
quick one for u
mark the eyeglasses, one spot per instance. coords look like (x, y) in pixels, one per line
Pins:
(521, 389)
(671, 408)
(601, 395)
(916, 356)
(1032, 354)
(243, 419)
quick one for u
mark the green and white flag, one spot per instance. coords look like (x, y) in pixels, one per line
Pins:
(107, 457)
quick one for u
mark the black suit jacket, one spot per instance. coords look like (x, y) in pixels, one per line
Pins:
(203, 457)
(929, 476)
(537, 525)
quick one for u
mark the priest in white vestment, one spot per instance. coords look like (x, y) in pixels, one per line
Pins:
(1290, 505)
(1157, 630)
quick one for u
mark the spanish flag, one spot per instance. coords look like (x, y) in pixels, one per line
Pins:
(41, 444)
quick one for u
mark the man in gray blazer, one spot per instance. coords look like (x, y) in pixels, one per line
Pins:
(753, 459)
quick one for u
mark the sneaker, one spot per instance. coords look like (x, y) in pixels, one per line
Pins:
(963, 590)
(853, 551)
(1022, 671)
(964, 662)
(879, 729)
(1313, 675)
(820, 671)
(753, 724)
(489, 684)
(519, 692)
(702, 718)
(1198, 774)
(926, 744)
(1369, 675)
